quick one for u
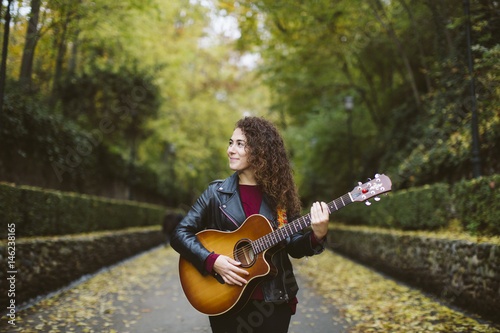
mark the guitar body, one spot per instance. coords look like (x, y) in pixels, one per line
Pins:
(212, 296)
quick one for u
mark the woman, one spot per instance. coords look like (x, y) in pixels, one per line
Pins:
(262, 184)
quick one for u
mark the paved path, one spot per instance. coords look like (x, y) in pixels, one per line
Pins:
(144, 295)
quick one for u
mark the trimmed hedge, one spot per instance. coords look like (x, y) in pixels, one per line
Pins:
(424, 208)
(474, 203)
(41, 212)
(477, 204)
(49, 263)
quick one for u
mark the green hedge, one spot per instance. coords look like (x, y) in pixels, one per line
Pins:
(424, 208)
(474, 203)
(39, 212)
(477, 204)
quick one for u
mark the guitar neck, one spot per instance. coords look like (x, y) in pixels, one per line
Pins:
(279, 235)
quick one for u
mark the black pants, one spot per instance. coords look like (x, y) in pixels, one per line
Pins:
(256, 317)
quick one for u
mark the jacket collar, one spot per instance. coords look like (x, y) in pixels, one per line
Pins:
(230, 184)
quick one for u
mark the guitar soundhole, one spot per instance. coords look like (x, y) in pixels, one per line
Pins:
(243, 252)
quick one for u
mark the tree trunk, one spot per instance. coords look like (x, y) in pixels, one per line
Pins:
(32, 36)
(73, 60)
(419, 44)
(61, 52)
(5, 44)
(390, 31)
(449, 41)
(442, 36)
(370, 100)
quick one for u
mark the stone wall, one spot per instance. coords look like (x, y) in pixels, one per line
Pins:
(460, 272)
(43, 265)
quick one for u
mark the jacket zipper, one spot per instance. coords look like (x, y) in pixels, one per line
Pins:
(229, 217)
(284, 282)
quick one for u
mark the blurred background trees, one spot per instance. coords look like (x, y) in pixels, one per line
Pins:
(138, 99)
(113, 98)
(403, 62)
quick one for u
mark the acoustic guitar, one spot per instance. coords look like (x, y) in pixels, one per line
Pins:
(253, 244)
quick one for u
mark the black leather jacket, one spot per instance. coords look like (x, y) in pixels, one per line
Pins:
(220, 208)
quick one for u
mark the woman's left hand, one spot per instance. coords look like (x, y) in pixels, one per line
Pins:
(319, 219)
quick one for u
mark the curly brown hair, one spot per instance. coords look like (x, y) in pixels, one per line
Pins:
(268, 156)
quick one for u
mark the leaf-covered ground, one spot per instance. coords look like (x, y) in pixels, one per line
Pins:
(139, 295)
(373, 303)
(144, 295)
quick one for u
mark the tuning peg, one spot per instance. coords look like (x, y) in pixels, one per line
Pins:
(377, 175)
(360, 183)
(376, 198)
(368, 203)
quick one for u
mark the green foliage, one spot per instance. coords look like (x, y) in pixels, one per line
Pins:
(38, 212)
(9, 207)
(124, 97)
(323, 140)
(424, 208)
(405, 64)
(116, 83)
(477, 204)
(442, 149)
(57, 153)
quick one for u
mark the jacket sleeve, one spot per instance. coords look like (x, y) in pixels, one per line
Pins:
(184, 238)
(301, 244)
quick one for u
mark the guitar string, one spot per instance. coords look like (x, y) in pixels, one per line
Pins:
(264, 241)
(268, 238)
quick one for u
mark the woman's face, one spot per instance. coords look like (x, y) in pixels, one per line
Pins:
(238, 155)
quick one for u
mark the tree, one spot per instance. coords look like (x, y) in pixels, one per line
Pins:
(68, 11)
(378, 8)
(32, 35)
(5, 44)
(401, 60)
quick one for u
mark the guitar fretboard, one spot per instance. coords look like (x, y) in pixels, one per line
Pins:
(279, 235)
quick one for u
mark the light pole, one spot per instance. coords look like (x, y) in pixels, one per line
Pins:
(476, 159)
(349, 104)
(131, 171)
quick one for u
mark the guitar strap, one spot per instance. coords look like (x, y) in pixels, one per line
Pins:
(282, 219)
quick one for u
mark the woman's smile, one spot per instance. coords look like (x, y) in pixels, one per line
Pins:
(237, 152)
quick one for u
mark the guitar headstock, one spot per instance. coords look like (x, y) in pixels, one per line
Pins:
(371, 189)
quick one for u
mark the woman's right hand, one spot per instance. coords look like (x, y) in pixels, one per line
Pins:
(228, 269)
